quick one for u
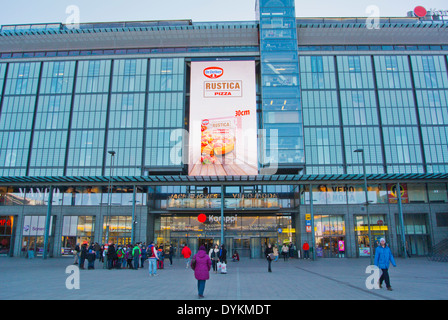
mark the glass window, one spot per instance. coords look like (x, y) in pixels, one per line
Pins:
(23, 78)
(93, 76)
(165, 118)
(355, 72)
(120, 229)
(417, 193)
(429, 72)
(330, 233)
(317, 72)
(392, 72)
(378, 229)
(57, 77)
(437, 192)
(129, 75)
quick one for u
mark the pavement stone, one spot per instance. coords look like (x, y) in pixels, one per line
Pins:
(323, 279)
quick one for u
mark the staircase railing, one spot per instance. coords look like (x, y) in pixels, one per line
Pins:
(439, 252)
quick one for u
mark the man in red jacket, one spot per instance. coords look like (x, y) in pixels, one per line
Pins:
(186, 252)
(306, 249)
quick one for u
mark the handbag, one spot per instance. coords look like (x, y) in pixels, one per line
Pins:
(271, 256)
(223, 268)
(193, 263)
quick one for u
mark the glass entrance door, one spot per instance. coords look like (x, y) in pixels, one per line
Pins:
(417, 245)
(242, 246)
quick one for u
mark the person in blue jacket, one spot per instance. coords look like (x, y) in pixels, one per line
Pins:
(383, 257)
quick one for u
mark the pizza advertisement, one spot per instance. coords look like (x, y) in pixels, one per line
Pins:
(223, 122)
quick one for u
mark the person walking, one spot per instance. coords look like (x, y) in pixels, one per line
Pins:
(97, 249)
(143, 256)
(275, 249)
(186, 253)
(111, 257)
(136, 252)
(214, 257)
(306, 250)
(120, 256)
(291, 250)
(269, 254)
(83, 255)
(201, 265)
(383, 258)
(285, 252)
(91, 257)
(31, 252)
(101, 257)
(152, 258)
(171, 254)
(223, 254)
(128, 256)
(76, 252)
(161, 256)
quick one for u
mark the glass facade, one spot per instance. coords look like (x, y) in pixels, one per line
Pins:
(61, 117)
(281, 109)
(388, 105)
(63, 111)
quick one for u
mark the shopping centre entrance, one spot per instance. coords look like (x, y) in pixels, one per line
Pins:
(246, 234)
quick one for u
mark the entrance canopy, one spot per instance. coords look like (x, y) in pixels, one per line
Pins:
(222, 180)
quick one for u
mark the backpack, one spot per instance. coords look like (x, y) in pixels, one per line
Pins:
(120, 253)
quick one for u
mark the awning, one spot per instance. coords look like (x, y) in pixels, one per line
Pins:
(159, 180)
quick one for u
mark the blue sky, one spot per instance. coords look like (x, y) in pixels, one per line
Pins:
(46, 11)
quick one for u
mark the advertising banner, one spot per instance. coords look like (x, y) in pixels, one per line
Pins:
(223, 119)
(393, 196)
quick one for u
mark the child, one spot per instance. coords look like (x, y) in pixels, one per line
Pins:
(120, 255)
(91, 256)
(160, 255)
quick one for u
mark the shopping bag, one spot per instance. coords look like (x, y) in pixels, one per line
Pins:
(223, 268)
(219, 266)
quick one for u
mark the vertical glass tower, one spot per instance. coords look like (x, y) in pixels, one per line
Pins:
(281, 116)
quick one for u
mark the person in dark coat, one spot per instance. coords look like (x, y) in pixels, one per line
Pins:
(202, 265)
(223, 254)
(171, 254)
(91, 257)
(83, 255)
(269, 253)
(111, 256)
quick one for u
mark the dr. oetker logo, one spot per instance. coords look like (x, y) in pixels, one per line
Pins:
(213, 72)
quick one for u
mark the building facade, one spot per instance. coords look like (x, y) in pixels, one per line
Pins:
(102, 134)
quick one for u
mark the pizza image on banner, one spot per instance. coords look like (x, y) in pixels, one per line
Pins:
(223, 118)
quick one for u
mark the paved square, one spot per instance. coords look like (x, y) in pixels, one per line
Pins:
(332, 279)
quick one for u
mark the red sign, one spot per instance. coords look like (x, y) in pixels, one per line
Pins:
(393, 196)
(420, 11)
(202, 217)
(308, 228)
(213, 72)
(4, 222)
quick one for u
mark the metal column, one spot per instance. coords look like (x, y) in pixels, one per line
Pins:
(47, 222)
(400, 211)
